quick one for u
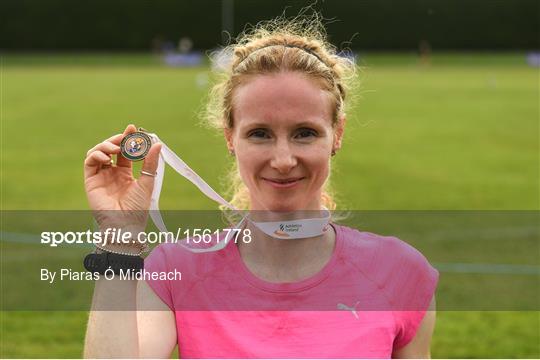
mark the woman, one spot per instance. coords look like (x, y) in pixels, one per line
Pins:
(281, 108)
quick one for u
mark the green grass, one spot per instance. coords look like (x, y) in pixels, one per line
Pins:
(461, 134)
(443, 137)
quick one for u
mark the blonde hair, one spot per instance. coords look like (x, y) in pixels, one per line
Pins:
(298, 45)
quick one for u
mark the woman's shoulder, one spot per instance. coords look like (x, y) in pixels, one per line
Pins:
(383, 251)
(400, 269)
(359, 240)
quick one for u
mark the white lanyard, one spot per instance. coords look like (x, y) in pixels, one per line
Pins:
(289, 229)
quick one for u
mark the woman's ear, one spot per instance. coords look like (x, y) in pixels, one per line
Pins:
(339, 130)
(227, 132)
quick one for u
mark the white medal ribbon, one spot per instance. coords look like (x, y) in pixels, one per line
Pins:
(288, 229)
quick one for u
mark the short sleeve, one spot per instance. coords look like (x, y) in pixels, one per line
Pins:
(409, 321)
(157, 262)
(411, 283)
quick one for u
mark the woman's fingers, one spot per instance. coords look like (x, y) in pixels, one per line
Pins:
(100, 154)
(150, 166)
(94, 161)
(107, 147)
(116, 139)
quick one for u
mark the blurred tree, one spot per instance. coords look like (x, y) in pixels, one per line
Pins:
(371, 24)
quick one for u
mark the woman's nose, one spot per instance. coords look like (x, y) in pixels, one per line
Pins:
(283, 158)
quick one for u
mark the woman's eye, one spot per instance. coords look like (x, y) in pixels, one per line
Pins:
(258, 133)
(306, 133)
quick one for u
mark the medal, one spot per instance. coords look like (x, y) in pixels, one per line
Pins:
(135, 146)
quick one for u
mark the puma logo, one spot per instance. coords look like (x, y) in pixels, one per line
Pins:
(341, 306)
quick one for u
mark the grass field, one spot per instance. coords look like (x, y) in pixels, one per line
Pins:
(460, 134)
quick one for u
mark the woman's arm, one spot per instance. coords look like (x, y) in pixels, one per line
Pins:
(420, 345)
(117, 199)
(157, 328)
(129, 333)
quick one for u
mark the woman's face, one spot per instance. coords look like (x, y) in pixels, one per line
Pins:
(283, 138)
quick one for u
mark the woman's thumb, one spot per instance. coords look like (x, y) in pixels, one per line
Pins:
(146, 180)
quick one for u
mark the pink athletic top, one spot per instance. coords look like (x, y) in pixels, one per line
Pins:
(368, 300)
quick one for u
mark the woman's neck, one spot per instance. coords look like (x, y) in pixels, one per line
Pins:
(286, 260)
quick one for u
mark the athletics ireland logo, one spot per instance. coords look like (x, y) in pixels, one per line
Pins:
(285, 229)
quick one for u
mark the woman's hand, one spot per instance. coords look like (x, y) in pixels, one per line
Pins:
(115, 196)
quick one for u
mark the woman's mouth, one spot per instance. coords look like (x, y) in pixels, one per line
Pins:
(283, 183)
